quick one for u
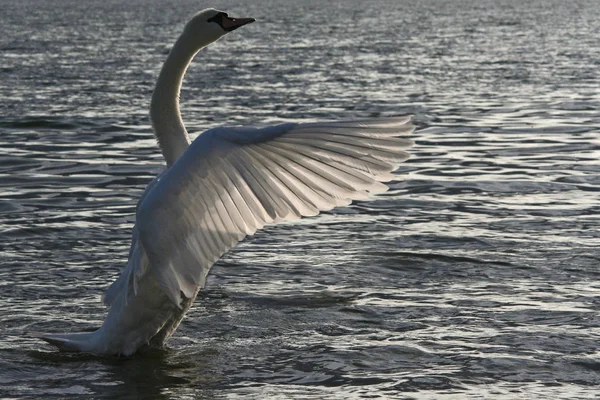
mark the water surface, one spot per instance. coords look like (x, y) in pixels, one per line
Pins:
(475, 276)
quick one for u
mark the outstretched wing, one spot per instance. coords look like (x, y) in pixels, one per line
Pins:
(232, 181)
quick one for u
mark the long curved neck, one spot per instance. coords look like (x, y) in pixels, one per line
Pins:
(169, 129)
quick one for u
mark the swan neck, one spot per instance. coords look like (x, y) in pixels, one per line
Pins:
(168, 125)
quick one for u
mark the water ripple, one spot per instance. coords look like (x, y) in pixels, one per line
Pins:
(475, 276)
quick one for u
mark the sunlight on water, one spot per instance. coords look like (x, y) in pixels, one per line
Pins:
(475, 276)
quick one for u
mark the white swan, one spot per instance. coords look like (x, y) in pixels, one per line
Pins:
(225, 185)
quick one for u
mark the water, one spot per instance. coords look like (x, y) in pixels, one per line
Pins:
(476, 276)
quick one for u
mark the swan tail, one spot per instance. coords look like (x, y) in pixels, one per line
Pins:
(70, 341)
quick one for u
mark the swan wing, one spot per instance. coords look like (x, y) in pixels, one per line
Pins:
(232, 181)
(126, 284)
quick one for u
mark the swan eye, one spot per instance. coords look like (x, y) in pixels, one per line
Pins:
(217, 17)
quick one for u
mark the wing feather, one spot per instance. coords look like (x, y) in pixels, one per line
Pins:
(296, 189)
(243, 219)
(269, 184)
(321, 199)
(330, 170)
(232, 181)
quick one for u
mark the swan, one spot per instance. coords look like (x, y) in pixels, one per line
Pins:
(226, 184)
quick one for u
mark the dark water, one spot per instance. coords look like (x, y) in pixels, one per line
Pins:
(476, 276)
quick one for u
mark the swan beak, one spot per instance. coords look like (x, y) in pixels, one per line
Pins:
(231, 24)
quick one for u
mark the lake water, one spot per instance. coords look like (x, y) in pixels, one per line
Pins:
(476, 276)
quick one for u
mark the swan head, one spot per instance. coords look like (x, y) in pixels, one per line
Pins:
(211, 24)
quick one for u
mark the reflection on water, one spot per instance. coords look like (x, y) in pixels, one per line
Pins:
(475, 276)
(153, 375)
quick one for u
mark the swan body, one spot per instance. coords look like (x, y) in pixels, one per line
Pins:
(225, 185)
